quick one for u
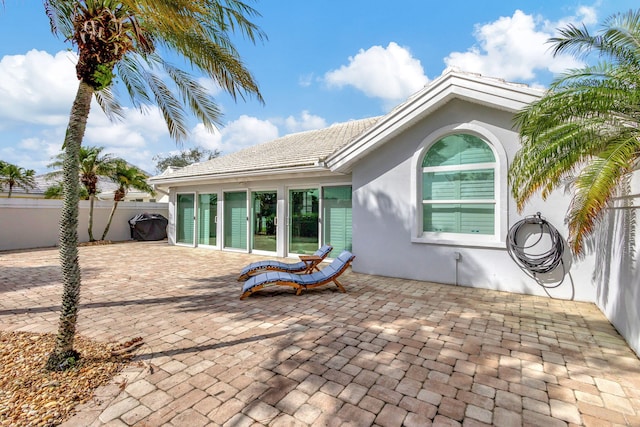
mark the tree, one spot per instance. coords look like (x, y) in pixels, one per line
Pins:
(3, 164)
(184, 158)
(585, 131)
(16, 176)
(127, 177)
(124, 38)
(55, 191)
(92, 165)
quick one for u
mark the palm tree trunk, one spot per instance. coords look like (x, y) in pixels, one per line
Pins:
(90, 230)
(106, 229)
(10, 190)
(63, 354)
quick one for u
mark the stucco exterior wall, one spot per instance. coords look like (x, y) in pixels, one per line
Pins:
(34, 223)
(384, 214)
(617, 258)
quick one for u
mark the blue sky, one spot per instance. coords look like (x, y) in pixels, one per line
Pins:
(325, 61)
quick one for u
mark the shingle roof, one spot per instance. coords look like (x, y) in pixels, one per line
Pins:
(293, 150)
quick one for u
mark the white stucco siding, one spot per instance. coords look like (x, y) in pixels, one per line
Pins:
(618, 261)
(384, 213)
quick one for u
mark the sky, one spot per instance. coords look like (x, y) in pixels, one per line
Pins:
(323, 62)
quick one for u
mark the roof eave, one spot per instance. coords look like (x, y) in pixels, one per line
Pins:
(242, 176)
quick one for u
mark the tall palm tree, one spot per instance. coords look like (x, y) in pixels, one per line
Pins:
(127, 38)
(16, 176)
(93, 164)
(127, 177)
(585, 132)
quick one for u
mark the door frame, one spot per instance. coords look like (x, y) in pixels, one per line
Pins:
(195, 224)
(223, 242)
(287, 233)
(251, 221)
(217, 220)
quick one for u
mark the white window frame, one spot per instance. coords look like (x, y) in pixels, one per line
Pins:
(500, 190)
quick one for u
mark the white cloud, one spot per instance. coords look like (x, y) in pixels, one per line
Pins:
(236, 135)
(37, 88)
(515, 47)
(389, 73)
(31, 153)
(247, 131)
(305, 80)
(212, 87)
(307, 121)
(586, 15)
(135, 130)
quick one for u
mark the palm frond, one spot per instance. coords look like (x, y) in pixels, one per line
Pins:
(170, 107)
(586, 130)
(130, 71)
(109, 104)
(596, 186)
(196, 96)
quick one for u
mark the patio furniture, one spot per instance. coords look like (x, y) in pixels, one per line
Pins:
(300, 282)
(306, 265)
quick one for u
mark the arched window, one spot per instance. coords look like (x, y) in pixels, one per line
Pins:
(459, 186)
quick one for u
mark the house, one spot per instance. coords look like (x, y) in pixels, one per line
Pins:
(419, 193)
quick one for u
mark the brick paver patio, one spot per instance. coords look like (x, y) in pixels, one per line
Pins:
(390, 352)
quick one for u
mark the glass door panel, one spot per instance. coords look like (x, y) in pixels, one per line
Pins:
(303, 221)
(207, 219)
(185, 219)
(336, 218)
(235, 220)
(263, 220)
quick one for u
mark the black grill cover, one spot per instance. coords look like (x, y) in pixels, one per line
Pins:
(148, 226)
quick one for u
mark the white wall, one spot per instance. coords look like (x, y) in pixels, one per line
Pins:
(34, 223)
(384, 216)
(617, 276)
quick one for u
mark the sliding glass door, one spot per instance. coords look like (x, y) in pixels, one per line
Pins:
(185, 219)
(336, 218)
(235, 220)
(264, 220)
(207, 219)
(303, 221)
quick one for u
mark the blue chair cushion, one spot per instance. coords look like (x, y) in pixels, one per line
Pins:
(326, 274)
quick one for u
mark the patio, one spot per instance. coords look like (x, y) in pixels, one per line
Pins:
(389, 352)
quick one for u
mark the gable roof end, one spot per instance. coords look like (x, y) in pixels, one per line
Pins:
(452, 84)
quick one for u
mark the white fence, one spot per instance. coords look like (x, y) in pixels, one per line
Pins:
(35, 223)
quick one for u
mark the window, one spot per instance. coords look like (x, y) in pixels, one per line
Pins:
(459, 174)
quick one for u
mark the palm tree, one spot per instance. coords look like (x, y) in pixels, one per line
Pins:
(127, 177)
(56, 191)
(123, 37)
(92, 164)
(16, 176)
(585, 132)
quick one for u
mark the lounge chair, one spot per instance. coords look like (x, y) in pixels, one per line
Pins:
(306, 265)
(300, 282)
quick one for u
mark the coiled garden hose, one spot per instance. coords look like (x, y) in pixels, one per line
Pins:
(540, 263)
